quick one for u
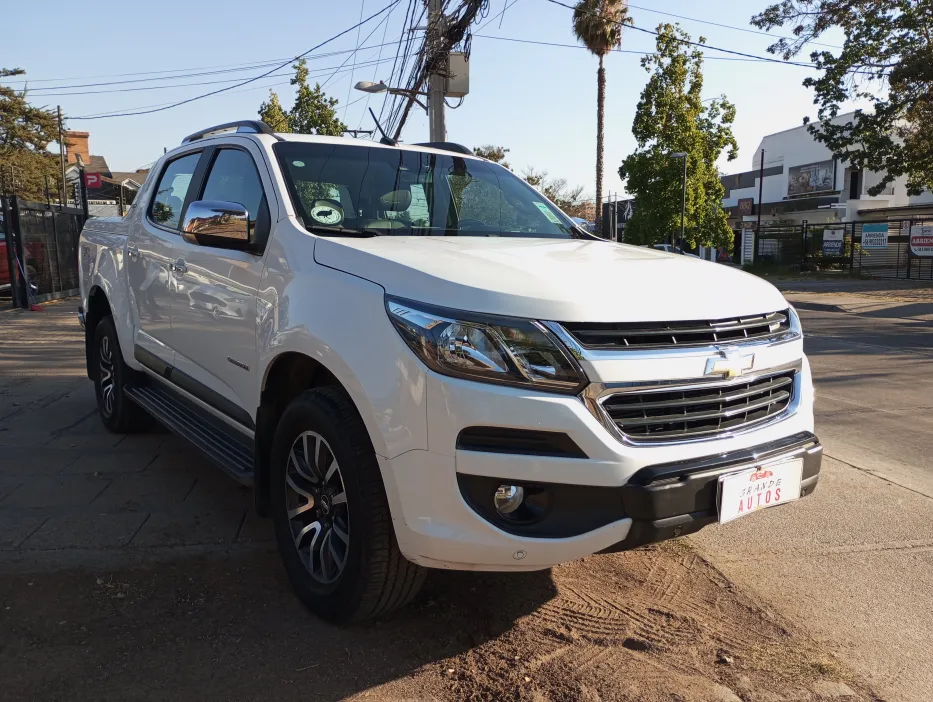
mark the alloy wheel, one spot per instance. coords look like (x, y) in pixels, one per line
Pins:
(316, 504)
(105, 358)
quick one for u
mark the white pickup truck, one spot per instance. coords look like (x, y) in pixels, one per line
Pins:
(417, 361)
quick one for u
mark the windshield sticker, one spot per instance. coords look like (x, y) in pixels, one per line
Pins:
(326, 213)
(546, 211)
(298, 164)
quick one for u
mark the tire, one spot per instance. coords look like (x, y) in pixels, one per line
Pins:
(111, 375)
(348, 567)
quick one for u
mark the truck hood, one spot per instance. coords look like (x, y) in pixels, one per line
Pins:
(551, 279)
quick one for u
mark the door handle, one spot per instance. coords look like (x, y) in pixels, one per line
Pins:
(132, 252)
(179, 267)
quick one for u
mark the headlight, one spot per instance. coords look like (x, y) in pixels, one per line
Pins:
(795, 321)
(485, 347)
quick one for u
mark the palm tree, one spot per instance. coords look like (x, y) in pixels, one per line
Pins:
(598, 25)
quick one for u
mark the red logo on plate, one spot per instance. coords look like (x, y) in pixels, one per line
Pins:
(760, 475)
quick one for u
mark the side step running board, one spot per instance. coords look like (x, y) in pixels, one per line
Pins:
(221, 444)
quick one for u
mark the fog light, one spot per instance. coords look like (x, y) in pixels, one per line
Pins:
(508, 498)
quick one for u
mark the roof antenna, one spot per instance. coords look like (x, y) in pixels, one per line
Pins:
(386, 139)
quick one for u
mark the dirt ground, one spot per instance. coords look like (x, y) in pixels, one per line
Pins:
(132, 570)
(656, 624)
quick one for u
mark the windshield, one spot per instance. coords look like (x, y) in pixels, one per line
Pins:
(348, 188)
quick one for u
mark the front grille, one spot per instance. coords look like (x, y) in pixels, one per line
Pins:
(663, 415)
(614, 335)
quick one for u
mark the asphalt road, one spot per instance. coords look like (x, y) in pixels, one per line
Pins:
(854, 563)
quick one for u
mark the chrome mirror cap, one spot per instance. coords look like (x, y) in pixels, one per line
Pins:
(216, 218)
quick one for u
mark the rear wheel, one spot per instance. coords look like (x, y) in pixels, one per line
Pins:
(331, 514)
(111, 376)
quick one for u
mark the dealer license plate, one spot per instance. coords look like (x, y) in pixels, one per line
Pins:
(752, 489)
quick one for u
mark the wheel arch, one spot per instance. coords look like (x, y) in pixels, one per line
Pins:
(286, 376)
(97, 306)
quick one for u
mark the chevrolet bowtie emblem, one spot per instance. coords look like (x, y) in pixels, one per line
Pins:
(729, 364)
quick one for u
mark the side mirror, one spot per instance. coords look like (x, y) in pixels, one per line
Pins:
(217, 223)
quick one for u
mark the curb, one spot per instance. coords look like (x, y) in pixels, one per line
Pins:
(820, 307)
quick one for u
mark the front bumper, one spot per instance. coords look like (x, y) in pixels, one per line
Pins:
(659, 502)
(670, 500)
(615, 496)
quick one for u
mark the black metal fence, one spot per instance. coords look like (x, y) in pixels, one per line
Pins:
(883, 249)
(39, 260)
(877, 249)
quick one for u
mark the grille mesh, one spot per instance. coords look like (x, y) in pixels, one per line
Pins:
(614, 335)
(699, 411)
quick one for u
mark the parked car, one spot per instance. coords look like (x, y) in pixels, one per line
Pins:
(417, 361)
(35, 252)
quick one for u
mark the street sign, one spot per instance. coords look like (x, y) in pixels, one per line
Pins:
(875, 236)
(921, 240)
(92, 180)
(832, 242)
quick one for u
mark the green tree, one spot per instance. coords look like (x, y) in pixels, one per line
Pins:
(598, 25)
(25, 133)
(886, 60)
(671, 118)
(557, 190)
(313, 112)
(273, 114)
(493, 153)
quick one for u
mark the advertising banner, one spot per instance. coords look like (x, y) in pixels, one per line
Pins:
(811, 178)
(921, 240)
(875, 236)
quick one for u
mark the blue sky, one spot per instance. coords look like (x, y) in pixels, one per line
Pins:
(539, 101)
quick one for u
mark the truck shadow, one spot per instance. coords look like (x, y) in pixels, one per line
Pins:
(228, 627)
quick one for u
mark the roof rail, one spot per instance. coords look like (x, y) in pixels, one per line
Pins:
(252, 126)
(447, 146)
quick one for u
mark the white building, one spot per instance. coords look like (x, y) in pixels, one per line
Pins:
(803, 181)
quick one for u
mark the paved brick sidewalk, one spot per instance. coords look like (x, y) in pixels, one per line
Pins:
(72, 492)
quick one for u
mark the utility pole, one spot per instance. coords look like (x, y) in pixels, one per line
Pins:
(61, 155)
(683, 204)
(437, 80)
(761, 182)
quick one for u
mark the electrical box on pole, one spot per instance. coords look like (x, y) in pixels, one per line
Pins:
(458, 75)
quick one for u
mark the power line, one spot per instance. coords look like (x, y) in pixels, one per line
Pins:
(614, 51)
(766, 59)
(182, 72)
(249, 67)
(724, 26)
(315, 72)
(258, 87)
(406, 24)
(350, 86)
(353, 54)
(385, 30)
(108, 113)
(255, 78)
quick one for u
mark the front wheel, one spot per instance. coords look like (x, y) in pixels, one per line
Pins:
(331, 515)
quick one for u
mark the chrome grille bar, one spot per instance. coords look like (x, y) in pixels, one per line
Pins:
(700, 410)
(612, 335)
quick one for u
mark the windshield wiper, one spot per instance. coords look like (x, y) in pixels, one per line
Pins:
(365, 233)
